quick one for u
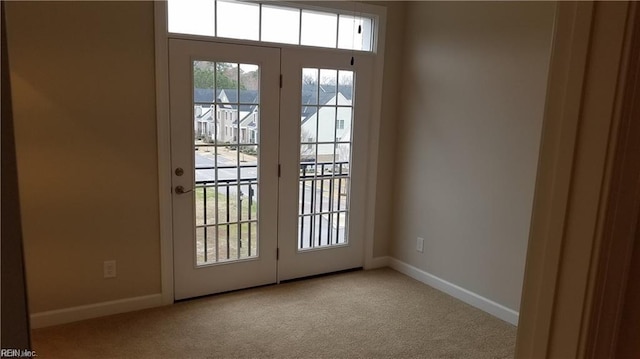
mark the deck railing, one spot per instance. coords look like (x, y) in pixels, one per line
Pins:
(328, 179)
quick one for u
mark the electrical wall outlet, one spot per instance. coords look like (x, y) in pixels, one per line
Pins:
(109, 269)
(420, 245)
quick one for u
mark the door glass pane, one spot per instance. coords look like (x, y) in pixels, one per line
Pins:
(319, 29)
(238, 20)
(248, 124)
(345, 87)
(280, 24)
(310, 87)
(326, 124)
(250, 83)
(309, 127)
(226, 80)
(328, 87)
(325, 155)
(226, 150)
(203, 82)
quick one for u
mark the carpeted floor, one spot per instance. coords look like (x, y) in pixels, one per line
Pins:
(364, 314)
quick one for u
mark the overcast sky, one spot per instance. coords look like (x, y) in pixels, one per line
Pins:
(279, 24)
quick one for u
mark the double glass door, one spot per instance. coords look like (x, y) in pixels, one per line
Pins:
(264, 165)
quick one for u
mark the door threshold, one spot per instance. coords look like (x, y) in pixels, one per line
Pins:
(271, 284)
(220, 293)
(322, 275)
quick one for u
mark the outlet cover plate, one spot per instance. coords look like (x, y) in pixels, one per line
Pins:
(110, 269)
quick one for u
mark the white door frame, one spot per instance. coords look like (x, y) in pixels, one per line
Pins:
(164, 133)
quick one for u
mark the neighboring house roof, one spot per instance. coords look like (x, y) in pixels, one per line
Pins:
(311, 97)
(204, 95)
(206, 115)
(248, 98)
(310, 93)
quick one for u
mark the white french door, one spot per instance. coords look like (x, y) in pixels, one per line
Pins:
(263, 169)
(224, 152)
(324, 129)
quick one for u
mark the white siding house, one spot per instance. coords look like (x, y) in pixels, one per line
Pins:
(327, 118)
(234, 121)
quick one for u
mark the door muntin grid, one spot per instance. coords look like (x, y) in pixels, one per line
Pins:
(226, 114)
(325, 158)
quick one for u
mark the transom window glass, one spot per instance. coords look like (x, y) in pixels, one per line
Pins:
(270, 23)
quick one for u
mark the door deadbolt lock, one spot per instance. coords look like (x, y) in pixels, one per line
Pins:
(179, 171)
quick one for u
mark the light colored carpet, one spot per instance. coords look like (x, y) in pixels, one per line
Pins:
(364, 314)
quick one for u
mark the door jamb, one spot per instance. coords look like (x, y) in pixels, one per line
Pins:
(580, 133)
(611, 275)
(164, 150)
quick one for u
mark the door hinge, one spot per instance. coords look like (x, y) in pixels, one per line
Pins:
(280, 80)
(279, 170)
(277, 253)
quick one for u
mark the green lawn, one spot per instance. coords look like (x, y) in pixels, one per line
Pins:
(227, 233)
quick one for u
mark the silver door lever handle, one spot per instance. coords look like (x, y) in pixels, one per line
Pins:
(181, 190)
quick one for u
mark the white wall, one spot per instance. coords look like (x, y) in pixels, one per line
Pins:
(474, 81)
(389, 118)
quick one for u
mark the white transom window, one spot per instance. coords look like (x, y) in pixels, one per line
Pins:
(285, 24)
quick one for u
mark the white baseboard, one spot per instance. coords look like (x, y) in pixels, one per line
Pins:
(377, 262)
(471, 298)
(67, 315)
